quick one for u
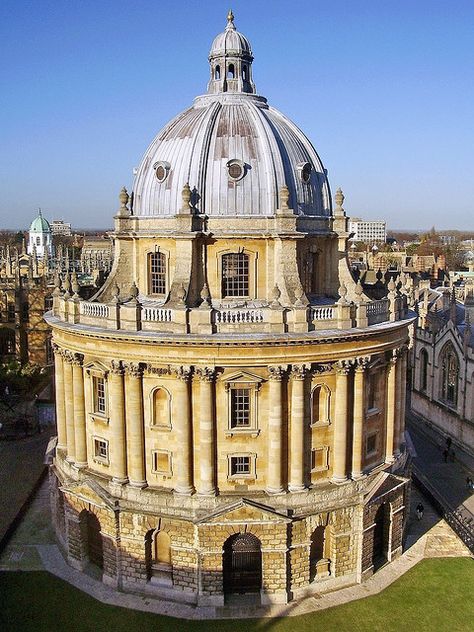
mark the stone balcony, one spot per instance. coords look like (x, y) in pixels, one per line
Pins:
(219, 318)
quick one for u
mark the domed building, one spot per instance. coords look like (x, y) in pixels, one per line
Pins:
(230, 404)
(39, 237)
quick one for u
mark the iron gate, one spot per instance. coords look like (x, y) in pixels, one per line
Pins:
(242, 564)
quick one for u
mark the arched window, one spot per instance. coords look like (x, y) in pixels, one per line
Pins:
(319, 562)
(157, 273)
(235, 275)
(423, 370)
(320, 404)
(161, 408)
(158, 557)
(244, 72)
(231, 71)
(217, 73)
(449, 376)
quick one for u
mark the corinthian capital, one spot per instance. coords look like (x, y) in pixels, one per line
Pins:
(116, 367)
(298, 371)
(343, 367)
(276, 372)
(182, 372)
(206, 373)
(133, 369)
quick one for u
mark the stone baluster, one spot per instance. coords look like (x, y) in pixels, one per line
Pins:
(69, 406)
(134, 425)
(275, 422)
(60, 403)
(207, 480)
(297, 430)
(80, 438)
(118, 443)
(182, 417)
(339, 474)
(359, 416)
(390, 412)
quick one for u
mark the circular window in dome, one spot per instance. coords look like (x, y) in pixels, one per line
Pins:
(161, 170)
(236, 169)
(305, 172)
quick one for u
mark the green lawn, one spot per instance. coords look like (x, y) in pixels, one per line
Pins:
(436, 595)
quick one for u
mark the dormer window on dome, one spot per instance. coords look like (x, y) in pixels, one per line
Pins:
(305, 169)
(161, 170)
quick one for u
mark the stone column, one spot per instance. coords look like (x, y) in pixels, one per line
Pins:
(69, 407)
(134, 424)
(340, 423)
(275, 422)
(118, 442)
(207, 479)
(59, 390)
(403, 377)
(182, 422)
(79, 411)
(398, 403)
(359, 416)
(390, 412)
(297, 430)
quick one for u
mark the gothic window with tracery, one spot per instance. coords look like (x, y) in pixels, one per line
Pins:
(449, 376)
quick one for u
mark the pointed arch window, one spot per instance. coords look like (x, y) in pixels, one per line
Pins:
(449, 376)
(423, 370)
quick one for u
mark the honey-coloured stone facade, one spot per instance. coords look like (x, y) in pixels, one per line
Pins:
(230, 405)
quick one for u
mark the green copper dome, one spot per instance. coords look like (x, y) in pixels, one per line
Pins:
(40, 224)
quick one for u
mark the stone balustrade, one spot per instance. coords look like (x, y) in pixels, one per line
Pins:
(136, 317)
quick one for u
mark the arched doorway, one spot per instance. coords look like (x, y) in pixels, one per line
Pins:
(93, 540)
(242, 564)
(381, 534)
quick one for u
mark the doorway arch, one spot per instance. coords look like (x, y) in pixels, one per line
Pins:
(242, 564)
(381, 535)
(94, 547)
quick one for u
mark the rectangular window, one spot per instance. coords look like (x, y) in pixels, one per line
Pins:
(11, 312)
(161, 462)
(235, 275)
(157, 273)
(319, 459)
(371, 444)
(240, 465)
(240, 408)
(101, 449)
(99, 395)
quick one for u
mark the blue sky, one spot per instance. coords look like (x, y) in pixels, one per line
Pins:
(384, 90)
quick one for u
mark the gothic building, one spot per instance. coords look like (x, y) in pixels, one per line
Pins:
(443, 379)
(230, 404)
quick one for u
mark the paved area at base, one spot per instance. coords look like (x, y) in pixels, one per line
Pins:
(33, 548)
(22, 462)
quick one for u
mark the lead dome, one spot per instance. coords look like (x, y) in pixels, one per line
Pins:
(234, 150)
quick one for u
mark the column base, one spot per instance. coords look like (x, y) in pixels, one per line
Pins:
(358, 476)
(206, 492)
(271, 491)
(338, 480)
(294, 489)
(138, 484)
(184, 491)
(120, 481)
(389, 460)
(80, 465)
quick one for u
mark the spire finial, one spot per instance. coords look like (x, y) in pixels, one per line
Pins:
(230, 16)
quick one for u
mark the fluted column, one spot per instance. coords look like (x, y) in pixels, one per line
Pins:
(390, 412)
(59, 391)
(207, 479)
(359, 416)
(69, 407)
(118, 443)
(135, 429)
(183, 459)
(275, 422)
(297, 430)
(79, 411)
(340, 423)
